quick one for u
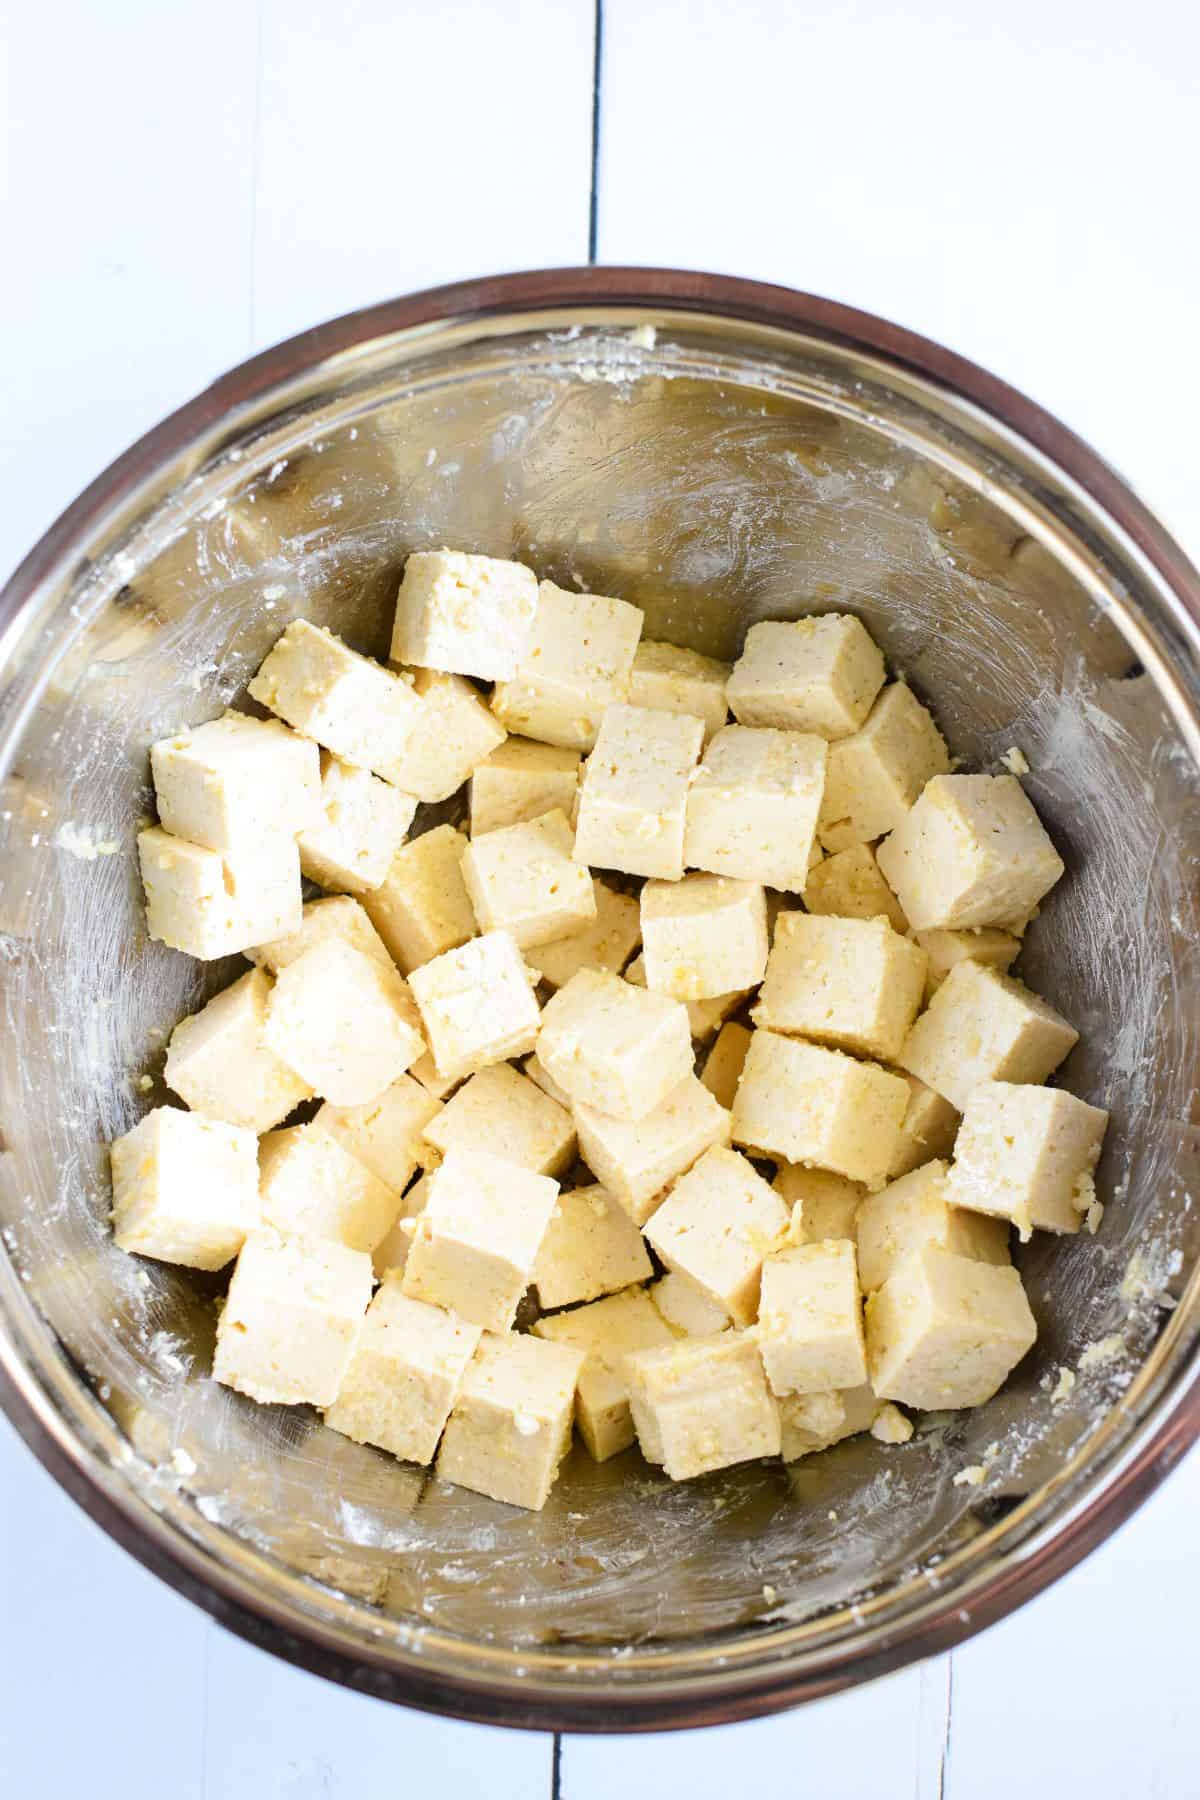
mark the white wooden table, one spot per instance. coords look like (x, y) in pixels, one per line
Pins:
(185, 181)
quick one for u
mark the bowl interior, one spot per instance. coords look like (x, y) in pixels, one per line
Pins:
(716, 475)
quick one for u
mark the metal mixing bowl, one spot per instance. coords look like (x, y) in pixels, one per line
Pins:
(718, 452)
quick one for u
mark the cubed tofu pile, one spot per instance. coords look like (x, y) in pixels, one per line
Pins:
(495, 1072)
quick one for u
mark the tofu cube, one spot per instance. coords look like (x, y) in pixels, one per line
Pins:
(813, 1105)
(606, 1332)
(810, 1328)
(849, 884)
(236, 782)
(521, 879)
(928, 1130)
(453, 735)
(591, 1248)
(538, 1075)
(716, 1226)
(817, 1421)
(703, 936)
(185, 1189)
(946, 1331)
(752, 808)
(337, 916)
(635, 1160)
(704, 1016)
(477, 1240)
(362, 824)
(477, 1004)
(612, 1046)
(1027, 1154)
(422, 908)
(210, 903)
(291, 1319)
(702, 1404)
(875, 776)
(391, 1252)
(404, 1376)
(915, 1211)
(817, 674)
(994, 949)
(971, 852)
(345, 701)
(387, 1134)
(577, 661)
(218, 1062)
(852, 983)
(982, 1026)
(467, 615)
(310, 1187)
(725, 1061)
(343, 1022)
(509, 1113)
(633, 798)
(521, 780)
(822, 1205)
(668, 679)
(606, 942)
(686, 1308)
(511, 1424)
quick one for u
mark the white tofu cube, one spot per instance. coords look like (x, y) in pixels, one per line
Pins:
(875, 775)
(752, 808)
(509, 1113)
(686, 1308)
(849, 884)
(236, 782)
(704, 1016)
(852, 983)
(577, 661)
(1027, 1154)
(810, 1328)
(818, 674)
(453, 735)
(477, 1004)
(422, 908)
(703, 936)
(220, 1064)
(185, 1189)
(404, 1376)
(725, 1061)
(607, 1331)
(522, 879)
(522, 780)
(636, 1160)
(668, 679)
(702, 1404)
(362, 824)
(477, 1240)
(391, 1252)
(345, 701)
(467, 615)
(945, 1331)
(823, 1205)
(615, 1047)
(971, 852)
(605, 943)
(813, 1105)
(291, 1319)
(994, 949)
(310, 1187)
(343, 1022)
(633, 798)
(981, 1026)
(210, 903)
(387, 1134)
(915, 1211)
(338, 916)
(716, 1226)
(591, 1247)
(928, 1130)
(511, 1424)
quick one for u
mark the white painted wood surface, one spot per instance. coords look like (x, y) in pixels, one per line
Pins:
(183, 183)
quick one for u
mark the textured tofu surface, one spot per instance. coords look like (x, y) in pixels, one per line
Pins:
(477, 1004)
(849, 884)
(1027, 1153)
(236, 782)
(185, 1188)
(752, 808)
(813, 1105)
(606, 942)
(607, 1332)
(875, 776)
(810, 1328)
(852, 983)
(817, 674)
(983, 1026)
(635, 1159)
(504, 1110)
(464, 614)
(716, 1226)
(612, 1046)
(822, 1205)
(946, 1330)
(362, 822)
(511, 1424)
(310, 1186)
(703, 936)
(346, 702)
(522, 780)
(633, 795)
(421, 909)
(702, 1404)
(219, 1062)
(591, 1248)
(915, 1211)
(477, 1239)
(577, 662)
(454, 733)
(212, 903)
(668, 679)
(292, 1319)
(343, 1022)
(404, 1375)
(387, 1134)
(338, 916)
(523, 879)
(971, 852)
